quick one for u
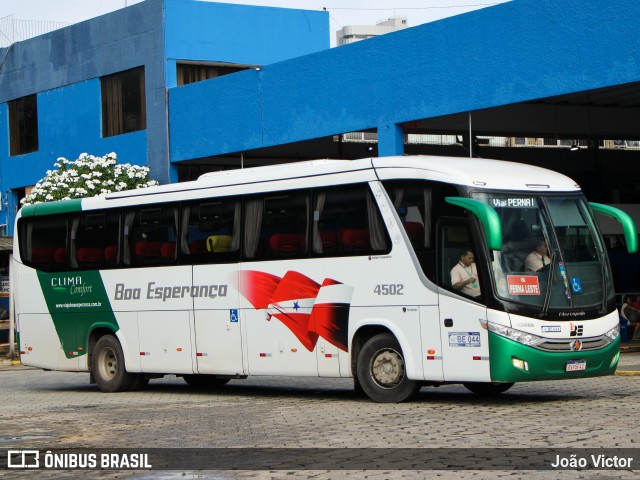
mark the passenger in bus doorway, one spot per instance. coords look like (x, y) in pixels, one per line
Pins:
(464, 275)
(539, 258)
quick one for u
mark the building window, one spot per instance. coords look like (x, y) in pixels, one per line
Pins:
(191, 72)
(23, 125)
(123, 102)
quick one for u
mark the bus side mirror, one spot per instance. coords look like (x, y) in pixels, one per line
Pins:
(487, 216)
(628, 225)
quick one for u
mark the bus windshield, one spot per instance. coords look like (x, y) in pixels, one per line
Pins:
(552, 257)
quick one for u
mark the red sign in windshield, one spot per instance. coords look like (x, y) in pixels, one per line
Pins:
(523, 285)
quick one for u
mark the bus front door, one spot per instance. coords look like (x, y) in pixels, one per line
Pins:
(465, 343)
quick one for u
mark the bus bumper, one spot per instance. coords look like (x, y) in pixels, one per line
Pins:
(511, 361)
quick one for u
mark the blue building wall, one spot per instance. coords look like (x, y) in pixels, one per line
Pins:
(512, 52)
(59, 121)
(241, 34)
(64, 68)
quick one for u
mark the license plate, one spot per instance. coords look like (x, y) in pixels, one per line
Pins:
(464, 339)
(576, 365)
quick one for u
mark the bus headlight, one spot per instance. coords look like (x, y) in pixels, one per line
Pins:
(519, 336)
(614, 332)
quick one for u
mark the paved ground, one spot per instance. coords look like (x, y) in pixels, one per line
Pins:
(43, 410)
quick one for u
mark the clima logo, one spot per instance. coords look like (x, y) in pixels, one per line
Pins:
(23, 459)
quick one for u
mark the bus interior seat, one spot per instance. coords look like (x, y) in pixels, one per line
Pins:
(168, 250)
(415, 232)
(198, 247)
(284, 243)
(219, 243)
(147, 249)
(42, 256)
(111, 254)
(60, 256)
(329, 240)
(327, 237)
(355, 239)
(89, 256)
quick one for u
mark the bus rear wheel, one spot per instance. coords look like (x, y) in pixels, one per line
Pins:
(108, 366)
(381, 371)
(205, 381)
(488, 388)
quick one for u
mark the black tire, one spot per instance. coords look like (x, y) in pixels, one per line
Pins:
(140, 381)
(357, 388)
(381, 372)
(108, 366)
(205, 381)
(488, 388)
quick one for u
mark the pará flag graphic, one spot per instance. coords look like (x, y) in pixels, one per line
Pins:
(309, 309)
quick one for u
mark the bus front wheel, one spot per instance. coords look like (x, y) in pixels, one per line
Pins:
(108, 366)
(381, 371)
(488, 388)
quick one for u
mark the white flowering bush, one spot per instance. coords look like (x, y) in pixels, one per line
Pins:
(88, 176)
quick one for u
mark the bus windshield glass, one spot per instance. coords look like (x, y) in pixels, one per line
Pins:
(552, 257)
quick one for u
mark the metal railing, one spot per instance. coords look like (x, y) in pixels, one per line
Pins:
(14, 30)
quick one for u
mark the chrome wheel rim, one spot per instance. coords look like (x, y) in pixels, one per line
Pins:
(387, 368)
(107, 363)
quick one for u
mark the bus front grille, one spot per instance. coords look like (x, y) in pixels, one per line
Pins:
(571, 345)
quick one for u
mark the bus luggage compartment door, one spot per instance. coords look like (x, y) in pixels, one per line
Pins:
(218, 321)
(465, 344)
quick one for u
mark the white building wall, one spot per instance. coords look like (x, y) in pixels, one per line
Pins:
(355, 33)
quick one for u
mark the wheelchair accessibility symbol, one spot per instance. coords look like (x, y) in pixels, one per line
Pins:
(576, 285)
(233, 316)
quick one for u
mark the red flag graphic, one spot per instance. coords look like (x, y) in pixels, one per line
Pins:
(302, 305)
(330, 314)
(258, 287)
(295, 286)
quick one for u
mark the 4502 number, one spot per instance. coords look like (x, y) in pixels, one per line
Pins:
(389, 289)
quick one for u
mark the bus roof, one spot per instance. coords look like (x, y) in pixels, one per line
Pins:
(475, 172)
(480, 172)
(491, 174)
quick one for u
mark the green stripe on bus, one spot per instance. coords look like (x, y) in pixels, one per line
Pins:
(77, 303)
(51, 208)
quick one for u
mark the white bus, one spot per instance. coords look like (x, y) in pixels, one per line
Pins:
(328, 268)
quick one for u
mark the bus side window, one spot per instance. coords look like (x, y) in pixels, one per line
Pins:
(151, 235)
(95, 240)
(43, 242)
(419, 203)
(346, 221)
(210, 230)
(276, 225)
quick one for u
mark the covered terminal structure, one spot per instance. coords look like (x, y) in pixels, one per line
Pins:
(527, 72)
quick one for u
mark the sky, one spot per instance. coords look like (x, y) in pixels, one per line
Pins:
(341, 12)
